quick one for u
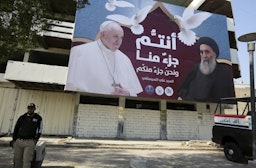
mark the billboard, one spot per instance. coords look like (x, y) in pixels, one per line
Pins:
(165, 52)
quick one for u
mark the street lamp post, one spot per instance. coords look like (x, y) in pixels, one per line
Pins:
(250, 39)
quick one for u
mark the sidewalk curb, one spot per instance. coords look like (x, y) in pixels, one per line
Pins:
(117, 144)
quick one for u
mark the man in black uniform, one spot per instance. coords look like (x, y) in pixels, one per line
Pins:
(26, 133)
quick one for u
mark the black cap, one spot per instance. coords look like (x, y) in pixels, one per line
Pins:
(210, 42)
(31, 105)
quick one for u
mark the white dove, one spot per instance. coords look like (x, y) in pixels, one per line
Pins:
(189, 21)
(134, 21)
(111, 4)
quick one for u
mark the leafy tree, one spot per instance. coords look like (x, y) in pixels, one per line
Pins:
(21, 22)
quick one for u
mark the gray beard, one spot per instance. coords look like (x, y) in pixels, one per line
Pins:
(207, 66)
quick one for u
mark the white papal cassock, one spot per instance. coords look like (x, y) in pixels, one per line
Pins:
(94, 68)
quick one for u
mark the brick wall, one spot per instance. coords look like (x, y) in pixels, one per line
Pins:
(191, 125)
(142, 124)
(205, 120)
(101, 121)
(97, 121)
(182, 125)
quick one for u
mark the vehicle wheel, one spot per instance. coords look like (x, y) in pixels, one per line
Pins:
(233, 153)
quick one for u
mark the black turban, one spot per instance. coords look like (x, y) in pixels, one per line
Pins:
(210, 42)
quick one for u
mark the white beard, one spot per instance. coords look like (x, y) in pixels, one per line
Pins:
(207, 66)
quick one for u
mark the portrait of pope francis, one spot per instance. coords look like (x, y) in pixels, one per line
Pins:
(100, 67)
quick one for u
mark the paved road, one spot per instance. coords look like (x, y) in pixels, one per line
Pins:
(73, 157)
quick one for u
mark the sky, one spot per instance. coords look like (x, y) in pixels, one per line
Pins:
(244, 12)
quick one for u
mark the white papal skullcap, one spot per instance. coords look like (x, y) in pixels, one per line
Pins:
(106, 23)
